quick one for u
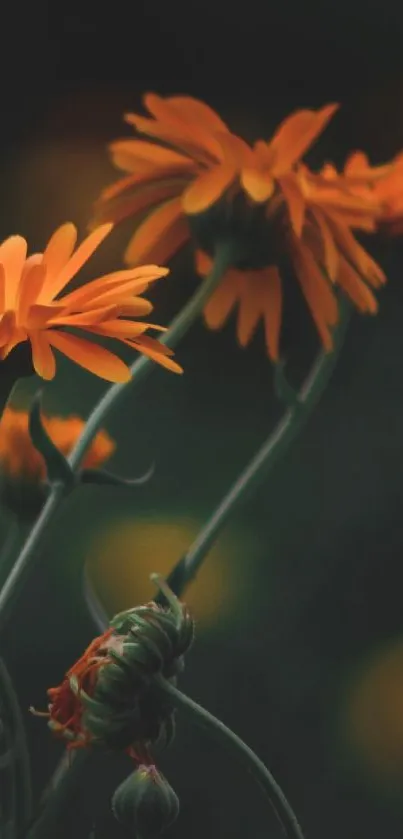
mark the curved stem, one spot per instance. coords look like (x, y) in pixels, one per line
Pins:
(9, 547)
(240, 750)
(262, 462)
(111, 398)
(144, 365)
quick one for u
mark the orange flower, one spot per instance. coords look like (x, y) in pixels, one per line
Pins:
(389, 191)
(31, 308)
(203, 173)
(19, 459)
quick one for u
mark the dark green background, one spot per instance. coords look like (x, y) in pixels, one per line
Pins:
(323, 551)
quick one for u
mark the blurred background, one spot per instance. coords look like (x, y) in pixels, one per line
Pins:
(299, 606)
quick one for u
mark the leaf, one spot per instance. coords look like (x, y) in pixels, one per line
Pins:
(57, 467)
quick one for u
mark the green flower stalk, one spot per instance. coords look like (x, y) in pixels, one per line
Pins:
(122, 695)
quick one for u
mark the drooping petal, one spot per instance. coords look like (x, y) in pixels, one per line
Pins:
(84, 319)
(208, 188)
(54, 283)
(39, 315)
(168, 113)
(91, 356)
(320, 299)
(356, 254)
(331, 254)
(236, 150)
(351, 282)
(13, 252)
(249, 305)
(295, 201)
(160, 235)
(222, 301)
(199, 146)
(43, 358)
(296, 134)
(272, 303)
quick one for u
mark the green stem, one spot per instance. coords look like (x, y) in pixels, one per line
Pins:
(20, 802)
(111, 398)
(263, 461)
(240, 750)
(143, 365)
(58, 802)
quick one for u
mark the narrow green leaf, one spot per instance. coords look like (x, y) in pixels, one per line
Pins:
(57, 467)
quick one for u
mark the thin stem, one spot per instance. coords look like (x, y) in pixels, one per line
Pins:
(20, 802)
(111, 398)
(58, 803)
(240, 750)
(263, 461)
(9, 547)
(144, 365)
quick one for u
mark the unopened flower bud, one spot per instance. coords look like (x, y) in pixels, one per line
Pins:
(145, 803)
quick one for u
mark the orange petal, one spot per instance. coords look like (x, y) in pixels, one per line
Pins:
(29, 291)
(56, 282)
(223, 300)
(146, 196)
(157, 352)
(295, 201)
(170, 114)
(356, 254)
(203, 263)
(91, 356)
(39, 315)
(197, 112)
(250, 308)
(83, 319)
(236, 150)
(208, 188)
(59, 248)
(331, 254)
(320, 299)
(190, 139)
(2, 289)
(13, 252)
(7, 327)
(273, 302)
(122, 328)
(140, 156)
(42, 355)
(296, 134)
(116, 283)
(160, 235)
(257, 183)
(356, 289)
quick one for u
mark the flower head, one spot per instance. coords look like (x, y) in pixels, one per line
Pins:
(106, 698)
(35, 308)
(22, 468)
(195, 177)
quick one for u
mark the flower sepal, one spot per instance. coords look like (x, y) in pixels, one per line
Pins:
(58, 469)
(101, 477)
(145, 803)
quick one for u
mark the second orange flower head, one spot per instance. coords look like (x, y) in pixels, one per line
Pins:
(194, 170)
(35, 308)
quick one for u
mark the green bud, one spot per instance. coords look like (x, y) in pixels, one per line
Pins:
(145, 803)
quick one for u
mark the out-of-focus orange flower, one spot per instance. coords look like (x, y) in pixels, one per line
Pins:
(31, 308)
(19, 458)
(307, 218)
